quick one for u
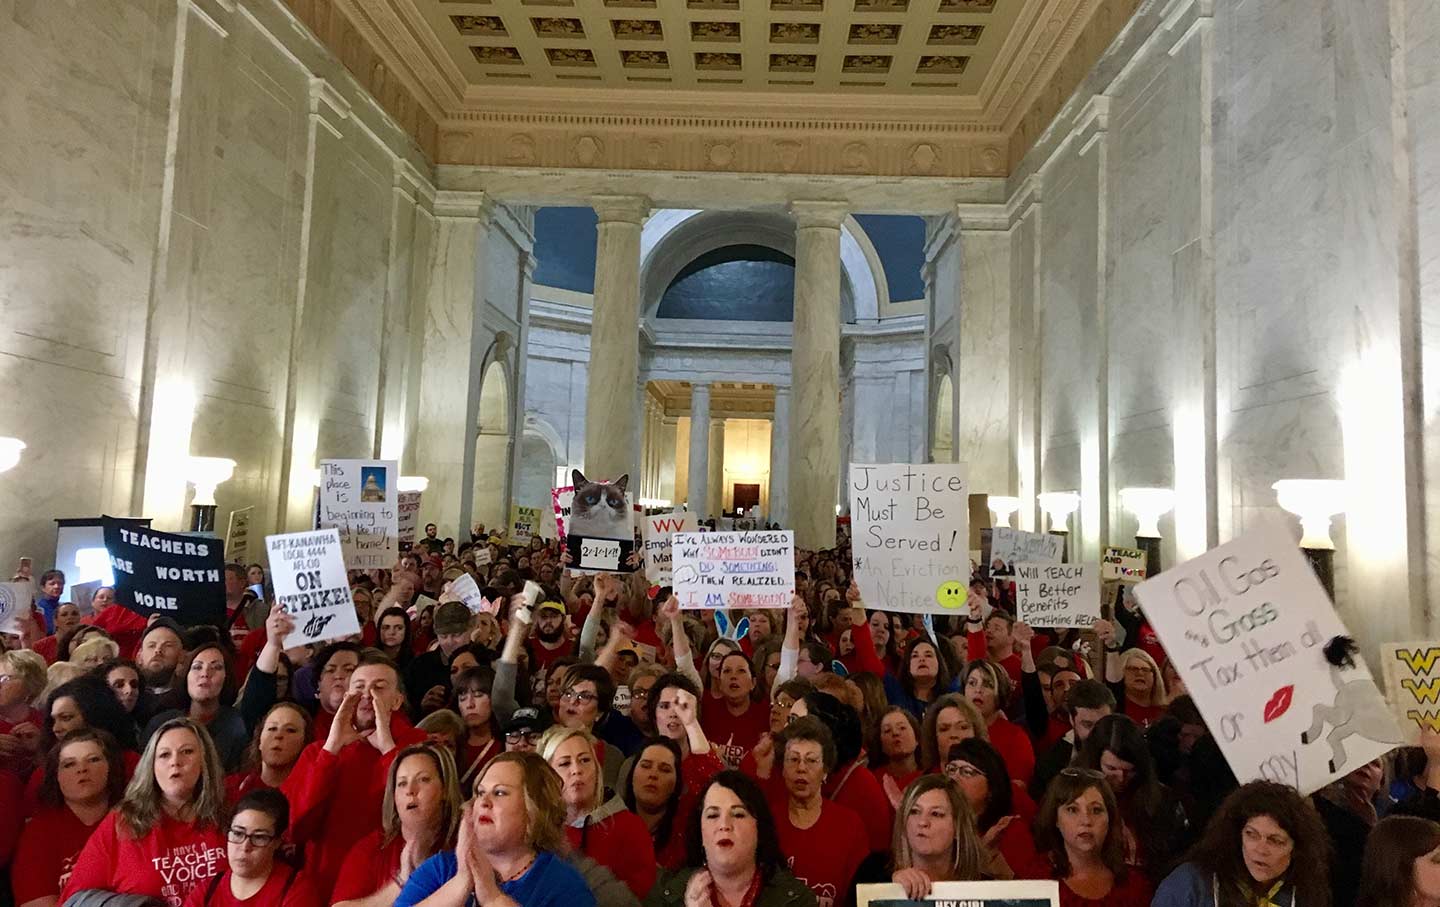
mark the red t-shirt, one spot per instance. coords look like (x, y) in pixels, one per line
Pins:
(1014, 746)
(695, 772)
(735, 735)
(621, 843)
(541, 657)
(902, 779)
(12, 814)
(22, 765)
(286, 887)
(167, 863)
(1135, 891)
(368, 867)
(825, 856)
(1143, 715)
(855, 788)
(124, 626)
(47, 648)
(49, 845)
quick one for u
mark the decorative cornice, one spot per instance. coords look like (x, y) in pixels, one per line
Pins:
(809, 214)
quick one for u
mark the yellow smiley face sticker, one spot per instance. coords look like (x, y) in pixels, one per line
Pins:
(952, 594)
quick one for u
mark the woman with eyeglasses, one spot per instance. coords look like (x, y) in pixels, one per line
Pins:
(588, 693)
(1078, 834)
(83, 777)
(509, 847)
(168, 821)
(936, 841)
(1264, 846)
(824, 841)
(849, 783)
(733, 856)
(652, 790)
(604, 830)
(1003, 811)
(253, 876)
(419, 816)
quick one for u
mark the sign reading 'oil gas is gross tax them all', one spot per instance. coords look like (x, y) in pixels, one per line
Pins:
(734, 569)
(1246, 625)
(910, 533)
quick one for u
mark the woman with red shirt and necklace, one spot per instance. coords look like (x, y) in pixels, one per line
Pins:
(824, 841)
(83, 776)
(253, 876)
(165, 837)
(482, 741)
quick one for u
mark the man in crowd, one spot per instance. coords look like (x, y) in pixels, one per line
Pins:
(427, 679)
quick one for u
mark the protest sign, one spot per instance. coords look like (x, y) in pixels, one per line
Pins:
(734, 569)
(659, 531)
(82, 595)
(408, 507)
(237, 536)
(482, 556)
(359, 499)
(463, 587)
(560, 501)
(1412, 684)
(1124, 564)
(911, 533)
(1057, 595)
(1245, 625)
(17, 600)
(1009, 547)
(600, 526)
(179, 576)
(968, 894)
(524, 524)
(308, 571)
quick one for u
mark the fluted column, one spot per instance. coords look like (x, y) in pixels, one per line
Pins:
(717, 466)
(815, 373)
(697, 494)
(780, 458)
(611, 417)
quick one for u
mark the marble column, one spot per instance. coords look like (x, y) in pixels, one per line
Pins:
(611, 414)
(698, 492)
(669, 426)
(780, 457)
(717, 466)
(449, 407)
(815, 369)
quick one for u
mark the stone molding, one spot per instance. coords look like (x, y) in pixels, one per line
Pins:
(812, 214)
(625, 209)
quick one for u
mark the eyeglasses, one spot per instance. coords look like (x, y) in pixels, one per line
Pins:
(256, 838)
(957, 770)
(518, 736)
(579, 696)
(639, 695)
(1088, 774)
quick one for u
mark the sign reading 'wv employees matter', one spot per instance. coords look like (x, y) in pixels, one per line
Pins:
(179, 576)
(910, 533)
(308, 570)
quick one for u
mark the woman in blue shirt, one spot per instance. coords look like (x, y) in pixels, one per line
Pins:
(509, 846)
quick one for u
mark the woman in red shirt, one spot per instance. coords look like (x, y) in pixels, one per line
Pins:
(420, 814)
(165, 837)
(607, 832)
(22, 680)
(736, 720)
(893, 751)
(950, 719)
(279, 740)
(482, 741)
(83, 776)
(1078, 833)
(987, 686)
(824, 841)
(652, 791)
(254, 878)
(1003, 811)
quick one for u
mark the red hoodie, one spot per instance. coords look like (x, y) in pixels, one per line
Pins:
(335, 799)
(166, 863)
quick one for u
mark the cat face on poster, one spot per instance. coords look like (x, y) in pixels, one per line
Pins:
(599, 510)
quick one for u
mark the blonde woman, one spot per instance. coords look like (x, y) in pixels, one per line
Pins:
(1138, 684)
(22, 682)
(936, 840)
(608, 832)
(94, 652)
(420, 814)
(171, 816)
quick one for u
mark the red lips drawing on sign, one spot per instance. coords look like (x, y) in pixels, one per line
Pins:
(1279, 703)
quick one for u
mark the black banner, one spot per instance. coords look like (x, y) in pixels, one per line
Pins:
(179, 576)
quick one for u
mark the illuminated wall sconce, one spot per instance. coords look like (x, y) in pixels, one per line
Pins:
(413, 483)
(1148, 505)
(1315, 502)
(206, 474)
(1001, 506)
(1058, 505)
(10, 449)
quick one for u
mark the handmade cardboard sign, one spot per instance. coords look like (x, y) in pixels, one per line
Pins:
(359, 499)
(1412, 684)
(910, 533)
(659, 530)
(734, 569)
(16, 602)
(1009, 547)
(1057, 595)
(179, 576)
(408, 504)
(1124, 564)
(1247, 625)
(524, 524)
(308, 571)
(237, 536)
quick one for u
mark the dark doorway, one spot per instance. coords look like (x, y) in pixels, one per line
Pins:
(746, 496)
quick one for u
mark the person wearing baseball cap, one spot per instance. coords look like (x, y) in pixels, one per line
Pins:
(522, 731)
(427, 679)
(551, 641)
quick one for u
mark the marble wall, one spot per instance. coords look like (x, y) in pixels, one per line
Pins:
(214, 242)
(1219, 263)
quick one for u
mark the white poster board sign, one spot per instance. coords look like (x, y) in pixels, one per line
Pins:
(408, 503)
(16, 602)
(734, 569)
(910, 533)
(1124, 564)
(963, 894)
(237, 536)
(308, 570)
(1246, 625)
(463, 587)
(524, 524)
(359, 499)
(1412, 684)
(1057, 595)
(1009, 547)
(483, 556)
(659, 531)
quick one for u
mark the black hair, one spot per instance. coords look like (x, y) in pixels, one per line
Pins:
(842, 721)
(269, 801)
(99, 707)
(1089, 694)
(403, 656)
(983, 755)
(604, 684)
(663, 683)
(768, 857)
(660, 834)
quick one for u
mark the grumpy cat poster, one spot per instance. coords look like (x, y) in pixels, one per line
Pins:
(600, 531)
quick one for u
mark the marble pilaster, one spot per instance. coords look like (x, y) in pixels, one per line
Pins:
(698, 491)
(611, 417)
(815, 373)
(780, 458)
(669, 427)
(716, 481)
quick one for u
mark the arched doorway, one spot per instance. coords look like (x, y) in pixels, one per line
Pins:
(492, 446)
(539, 466)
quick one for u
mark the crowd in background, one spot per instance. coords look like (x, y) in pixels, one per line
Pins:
(597, 745)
